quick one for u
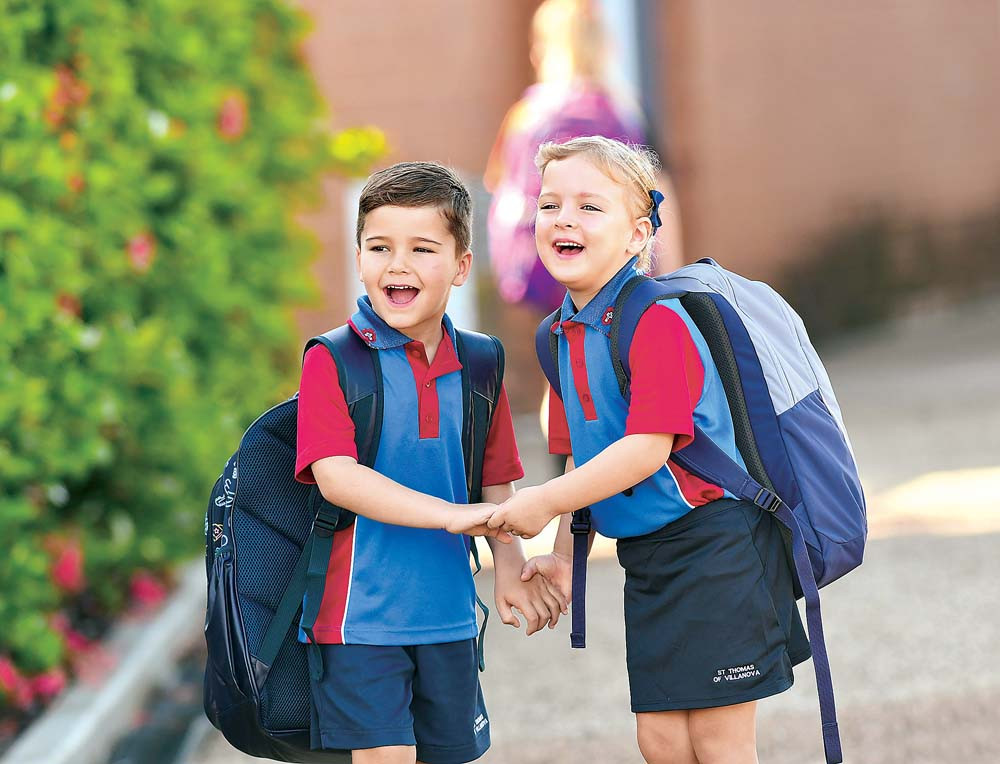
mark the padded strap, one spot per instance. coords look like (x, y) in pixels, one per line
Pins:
(580, 528)
(547, 350)
(482, 359)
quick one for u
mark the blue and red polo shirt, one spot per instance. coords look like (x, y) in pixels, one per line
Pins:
(389, 584)
(674, 384)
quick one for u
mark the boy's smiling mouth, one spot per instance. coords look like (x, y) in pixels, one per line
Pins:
(567, 247)
(400, 294)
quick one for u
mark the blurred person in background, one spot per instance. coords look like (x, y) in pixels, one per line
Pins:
(572, 96)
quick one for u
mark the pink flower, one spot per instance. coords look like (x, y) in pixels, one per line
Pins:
(76, 643)
(141, 251)
(233, 116)
(147, 591)
(67, 565)
(14, 686)
(46, 686)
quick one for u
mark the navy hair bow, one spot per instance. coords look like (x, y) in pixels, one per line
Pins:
(654, 212)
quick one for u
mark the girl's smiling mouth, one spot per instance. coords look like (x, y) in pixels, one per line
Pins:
(567, 247)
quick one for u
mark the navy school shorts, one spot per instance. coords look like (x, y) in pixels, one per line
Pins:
(710, 615)
(423, 695)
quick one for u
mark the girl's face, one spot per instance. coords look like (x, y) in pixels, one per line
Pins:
(584, 231)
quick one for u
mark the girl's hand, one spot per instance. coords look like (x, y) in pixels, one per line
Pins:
(471, 519)
(525, 514)
(556, 569)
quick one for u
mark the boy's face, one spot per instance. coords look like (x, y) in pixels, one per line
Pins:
(408, 263)
(583, 229)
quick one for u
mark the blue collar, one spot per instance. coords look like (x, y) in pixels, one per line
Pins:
(377, 334)
(599, 312)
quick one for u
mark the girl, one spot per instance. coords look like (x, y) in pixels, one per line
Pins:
(710, 619)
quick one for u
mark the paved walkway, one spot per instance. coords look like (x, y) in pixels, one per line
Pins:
(913, 635)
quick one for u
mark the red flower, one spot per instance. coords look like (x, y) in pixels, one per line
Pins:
(141, 251)
(233, 116)
(69, 94)
(69, 304)
(14, 686)
(147, 591)
(67, 564)
(46, 686)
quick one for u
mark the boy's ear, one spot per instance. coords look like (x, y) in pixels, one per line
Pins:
(357, 261)
(642, 233)
(464, 268)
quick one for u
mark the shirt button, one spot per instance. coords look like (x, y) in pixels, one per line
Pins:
(586, 398)
(428, 419)
(427, 384)
(578, 363)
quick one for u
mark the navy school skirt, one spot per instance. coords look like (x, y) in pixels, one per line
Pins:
(710, 615)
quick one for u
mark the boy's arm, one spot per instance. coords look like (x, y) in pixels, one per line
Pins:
(345, 483)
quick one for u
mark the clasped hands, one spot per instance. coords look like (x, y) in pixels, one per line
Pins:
(524, 514)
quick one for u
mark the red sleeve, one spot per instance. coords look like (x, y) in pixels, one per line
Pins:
(559, 442)
(502, 464)
(324, 425)
(667, 377)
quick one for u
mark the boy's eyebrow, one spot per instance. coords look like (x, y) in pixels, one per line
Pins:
(415, 238)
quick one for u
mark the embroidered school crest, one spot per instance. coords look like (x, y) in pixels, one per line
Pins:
(369, 335)
(608, 317)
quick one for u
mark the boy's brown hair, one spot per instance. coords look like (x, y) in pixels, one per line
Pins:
(420, 184)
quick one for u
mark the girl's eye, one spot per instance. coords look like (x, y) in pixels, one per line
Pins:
(547, 206)
(590, 208)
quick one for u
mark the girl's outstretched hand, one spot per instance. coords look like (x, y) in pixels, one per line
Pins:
(471, 519)
(556, 569)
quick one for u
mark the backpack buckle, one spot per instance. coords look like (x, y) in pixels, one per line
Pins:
(580, 523)
(767, 500)
(325, 524)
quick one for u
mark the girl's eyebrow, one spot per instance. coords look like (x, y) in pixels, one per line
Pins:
(581, 195)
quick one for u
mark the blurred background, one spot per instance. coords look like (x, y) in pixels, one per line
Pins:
(178, 183)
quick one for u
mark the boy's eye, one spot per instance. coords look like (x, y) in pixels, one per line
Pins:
(423, 249)
(379, 248)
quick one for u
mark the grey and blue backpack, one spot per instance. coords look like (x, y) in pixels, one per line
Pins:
(789, 431)
(268, 542)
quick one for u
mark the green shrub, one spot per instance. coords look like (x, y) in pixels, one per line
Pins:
(152, 157)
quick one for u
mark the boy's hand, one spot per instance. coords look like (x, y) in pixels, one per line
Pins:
(536, 599)
(471, 520)
(555, 568)
(525, 514)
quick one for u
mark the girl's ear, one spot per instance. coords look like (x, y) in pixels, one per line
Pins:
(464, 268)
(641, 233)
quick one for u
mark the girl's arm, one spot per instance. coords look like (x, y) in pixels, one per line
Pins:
(623, 464)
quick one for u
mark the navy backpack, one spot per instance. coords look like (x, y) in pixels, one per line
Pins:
(268, 542)
(789, 431)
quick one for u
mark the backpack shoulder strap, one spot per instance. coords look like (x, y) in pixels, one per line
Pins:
(482, 359)
(547, 350)
(635, 298)
(360, 375)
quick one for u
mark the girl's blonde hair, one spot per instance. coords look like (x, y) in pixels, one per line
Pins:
(634, 167)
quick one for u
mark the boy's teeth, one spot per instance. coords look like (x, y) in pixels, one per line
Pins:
(401, 294)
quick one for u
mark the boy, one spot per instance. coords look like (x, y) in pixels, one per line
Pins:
(397, 624)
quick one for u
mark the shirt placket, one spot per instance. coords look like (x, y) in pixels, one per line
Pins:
(576, 337)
